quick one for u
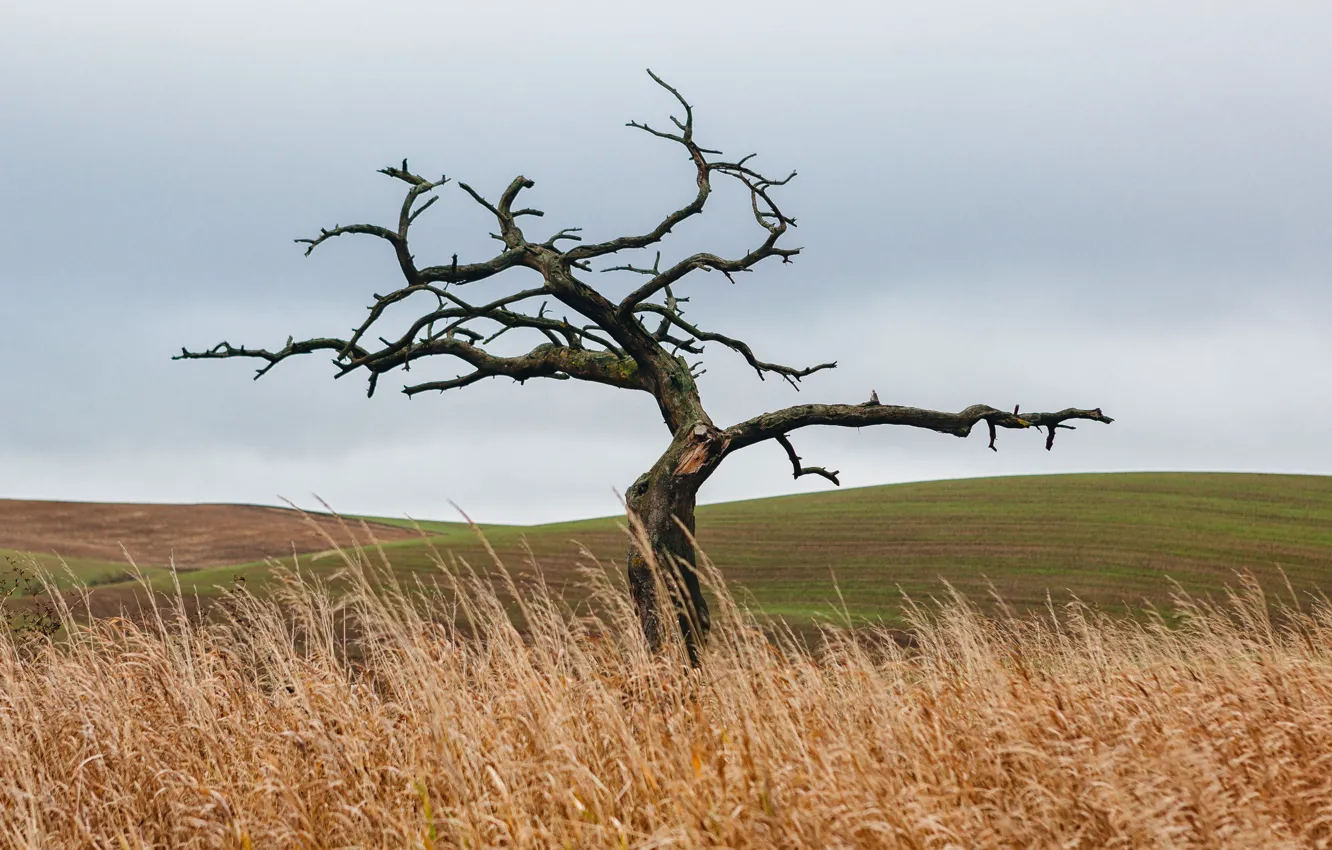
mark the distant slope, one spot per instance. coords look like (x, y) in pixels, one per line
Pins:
(195, 535)
(1110, 539)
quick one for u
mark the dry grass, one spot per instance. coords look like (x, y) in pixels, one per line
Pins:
(273, 728)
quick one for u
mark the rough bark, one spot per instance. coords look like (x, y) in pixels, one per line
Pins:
(661, 507)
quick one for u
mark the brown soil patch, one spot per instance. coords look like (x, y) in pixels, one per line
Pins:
(198, 535)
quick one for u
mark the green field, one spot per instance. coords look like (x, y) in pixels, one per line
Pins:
(1115, 540)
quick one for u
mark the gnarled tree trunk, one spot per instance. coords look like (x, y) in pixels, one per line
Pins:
(662, 503)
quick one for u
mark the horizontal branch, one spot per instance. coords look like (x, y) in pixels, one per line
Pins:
(339, 230)
(544, 361)
(452, 384)
(472, 272)
(770, 426)
(224, 350)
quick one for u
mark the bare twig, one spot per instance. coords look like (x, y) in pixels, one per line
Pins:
(799, 470)
(790, 374)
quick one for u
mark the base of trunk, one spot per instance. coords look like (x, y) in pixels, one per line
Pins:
(683, 595)
(664, 527)
(661, 553)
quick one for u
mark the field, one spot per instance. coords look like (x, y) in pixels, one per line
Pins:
(266, 727)
(91, 533)
(338, 707)
(1115, 541)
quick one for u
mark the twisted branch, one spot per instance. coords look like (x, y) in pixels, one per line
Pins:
(799, 470)
(790, 374)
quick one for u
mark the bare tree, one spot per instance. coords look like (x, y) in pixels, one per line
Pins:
(636, 343)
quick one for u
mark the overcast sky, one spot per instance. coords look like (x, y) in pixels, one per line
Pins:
(1124, 205)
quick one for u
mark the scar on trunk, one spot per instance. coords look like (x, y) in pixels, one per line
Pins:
(697, 456)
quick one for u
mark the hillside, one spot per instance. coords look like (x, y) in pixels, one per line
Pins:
(1112, 539)
(94, 537)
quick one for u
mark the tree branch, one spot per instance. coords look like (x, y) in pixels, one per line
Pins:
(420, 186)
(472, 272)
(224, 350)
(705, 261)
(463, 312)
(804, 470)
(766, 213)
(791, 374)
(338, 230)
(510, 234)
(407, 215)
(544, 361)
(771, 425)
(566, 233)
(702, 170)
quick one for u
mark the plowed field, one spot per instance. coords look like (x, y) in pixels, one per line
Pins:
(196, 536)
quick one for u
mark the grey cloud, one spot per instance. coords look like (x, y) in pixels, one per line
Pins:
(1034, 202)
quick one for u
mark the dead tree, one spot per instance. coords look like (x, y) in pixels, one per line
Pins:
(638, 342)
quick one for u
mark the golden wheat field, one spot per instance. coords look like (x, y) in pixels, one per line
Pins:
(482, 711)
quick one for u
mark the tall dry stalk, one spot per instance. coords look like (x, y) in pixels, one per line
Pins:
(483, 712)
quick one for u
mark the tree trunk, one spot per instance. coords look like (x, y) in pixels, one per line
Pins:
(663, 501)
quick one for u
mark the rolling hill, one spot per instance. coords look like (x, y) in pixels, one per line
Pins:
(1115, 540)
